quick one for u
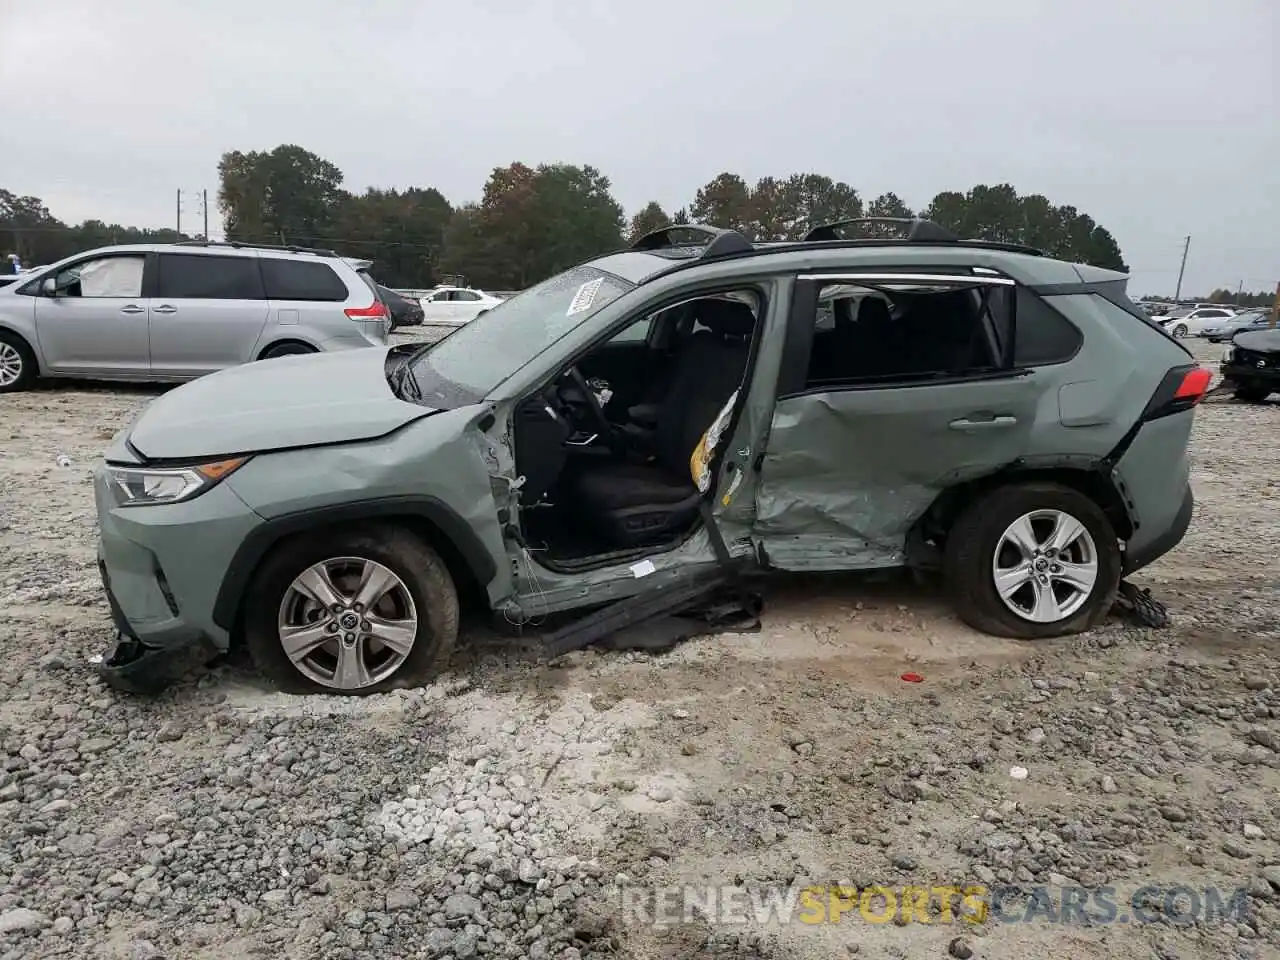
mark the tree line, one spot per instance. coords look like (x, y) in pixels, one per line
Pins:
(533, 221)
(1228, 298)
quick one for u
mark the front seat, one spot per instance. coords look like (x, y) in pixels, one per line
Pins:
(636, 504)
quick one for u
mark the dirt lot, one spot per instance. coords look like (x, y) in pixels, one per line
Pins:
(501, 812)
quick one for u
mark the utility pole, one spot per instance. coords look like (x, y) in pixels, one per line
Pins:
(178, 226)
(204, 207)
(1275, 308)
(1185, 247)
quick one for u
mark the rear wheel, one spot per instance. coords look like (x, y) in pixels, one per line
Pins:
(17, 363)
(353, 612)
(286, 350)
(1033, 561)
(1252, 392)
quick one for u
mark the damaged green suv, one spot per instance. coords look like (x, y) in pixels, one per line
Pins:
(692, 405)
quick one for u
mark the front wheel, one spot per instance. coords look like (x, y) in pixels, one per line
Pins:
(17, 364)
(1180, 331)
(352, 612)
(1033, 561)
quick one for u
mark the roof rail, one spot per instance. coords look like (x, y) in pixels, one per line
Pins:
(917, 230)
(719, 241)
(238, 245)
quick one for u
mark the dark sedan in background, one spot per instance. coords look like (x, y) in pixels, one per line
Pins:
(1248, 320)
(404, 312)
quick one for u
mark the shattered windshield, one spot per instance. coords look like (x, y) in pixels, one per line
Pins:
(497, 343)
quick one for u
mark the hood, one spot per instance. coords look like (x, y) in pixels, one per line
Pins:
(294, 401)
(1259, 341)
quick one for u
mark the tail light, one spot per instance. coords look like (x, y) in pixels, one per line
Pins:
(378, 311)
(1181, 389)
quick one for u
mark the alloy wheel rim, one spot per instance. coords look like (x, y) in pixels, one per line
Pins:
(347, 623)
(1045, 566)
(10, 365)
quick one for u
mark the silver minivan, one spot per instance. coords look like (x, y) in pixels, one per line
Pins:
(171, 312)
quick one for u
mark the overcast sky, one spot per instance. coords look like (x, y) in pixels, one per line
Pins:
(1158, 119)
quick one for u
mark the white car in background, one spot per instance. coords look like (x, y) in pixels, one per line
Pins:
(1194, 323)
(456, 305)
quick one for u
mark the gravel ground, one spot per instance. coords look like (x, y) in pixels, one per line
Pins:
(500, 812)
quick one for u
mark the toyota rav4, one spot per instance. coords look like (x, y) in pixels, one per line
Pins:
(694, 402)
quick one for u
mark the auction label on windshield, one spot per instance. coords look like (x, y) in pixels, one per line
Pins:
(585, 296)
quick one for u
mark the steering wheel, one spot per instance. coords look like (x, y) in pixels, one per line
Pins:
(598, 419)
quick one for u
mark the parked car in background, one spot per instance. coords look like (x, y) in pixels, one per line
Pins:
(1252, 364)
(168, 312)
(645, 423)
(1193, 322)
(1226, 329)
(456, 305)
(404, 312)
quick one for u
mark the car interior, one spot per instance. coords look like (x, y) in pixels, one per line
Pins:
(907, 334)
(604, 449)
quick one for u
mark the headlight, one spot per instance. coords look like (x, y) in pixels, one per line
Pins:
(1228, 354)
(146, 486)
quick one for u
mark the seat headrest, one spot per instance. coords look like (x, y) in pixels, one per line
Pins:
(728, 318)
(873, 310)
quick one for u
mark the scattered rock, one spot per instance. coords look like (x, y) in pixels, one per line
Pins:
(22, 920)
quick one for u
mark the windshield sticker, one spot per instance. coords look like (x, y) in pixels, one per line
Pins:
(585, 296)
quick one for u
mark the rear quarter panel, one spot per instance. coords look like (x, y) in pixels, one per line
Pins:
(1092, 401)
(1101, 396)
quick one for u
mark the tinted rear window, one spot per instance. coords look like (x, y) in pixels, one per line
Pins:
(302, 280)
(186, 276)
(1044, 335)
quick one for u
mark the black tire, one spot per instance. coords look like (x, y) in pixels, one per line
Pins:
(1180, 330)
(286, 350)
(1252, 392)
(27, 360)
(419, 567)
(975, 536)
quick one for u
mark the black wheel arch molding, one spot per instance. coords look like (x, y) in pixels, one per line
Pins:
(447, 532)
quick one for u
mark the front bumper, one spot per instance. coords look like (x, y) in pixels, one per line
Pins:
(136, 667)
(1268, 374)
(161, 567)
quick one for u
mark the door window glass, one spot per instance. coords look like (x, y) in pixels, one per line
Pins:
(104, 277)
(899, 333)
(201, 277)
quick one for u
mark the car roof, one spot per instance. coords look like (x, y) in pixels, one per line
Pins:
(922, 243)
(216, 248)
(641, 266)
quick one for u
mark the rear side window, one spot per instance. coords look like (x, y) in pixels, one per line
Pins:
(372, 284)
(1044, 335)
(302, 280)
(185, 276)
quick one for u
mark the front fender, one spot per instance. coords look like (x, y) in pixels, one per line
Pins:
(429, 472)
